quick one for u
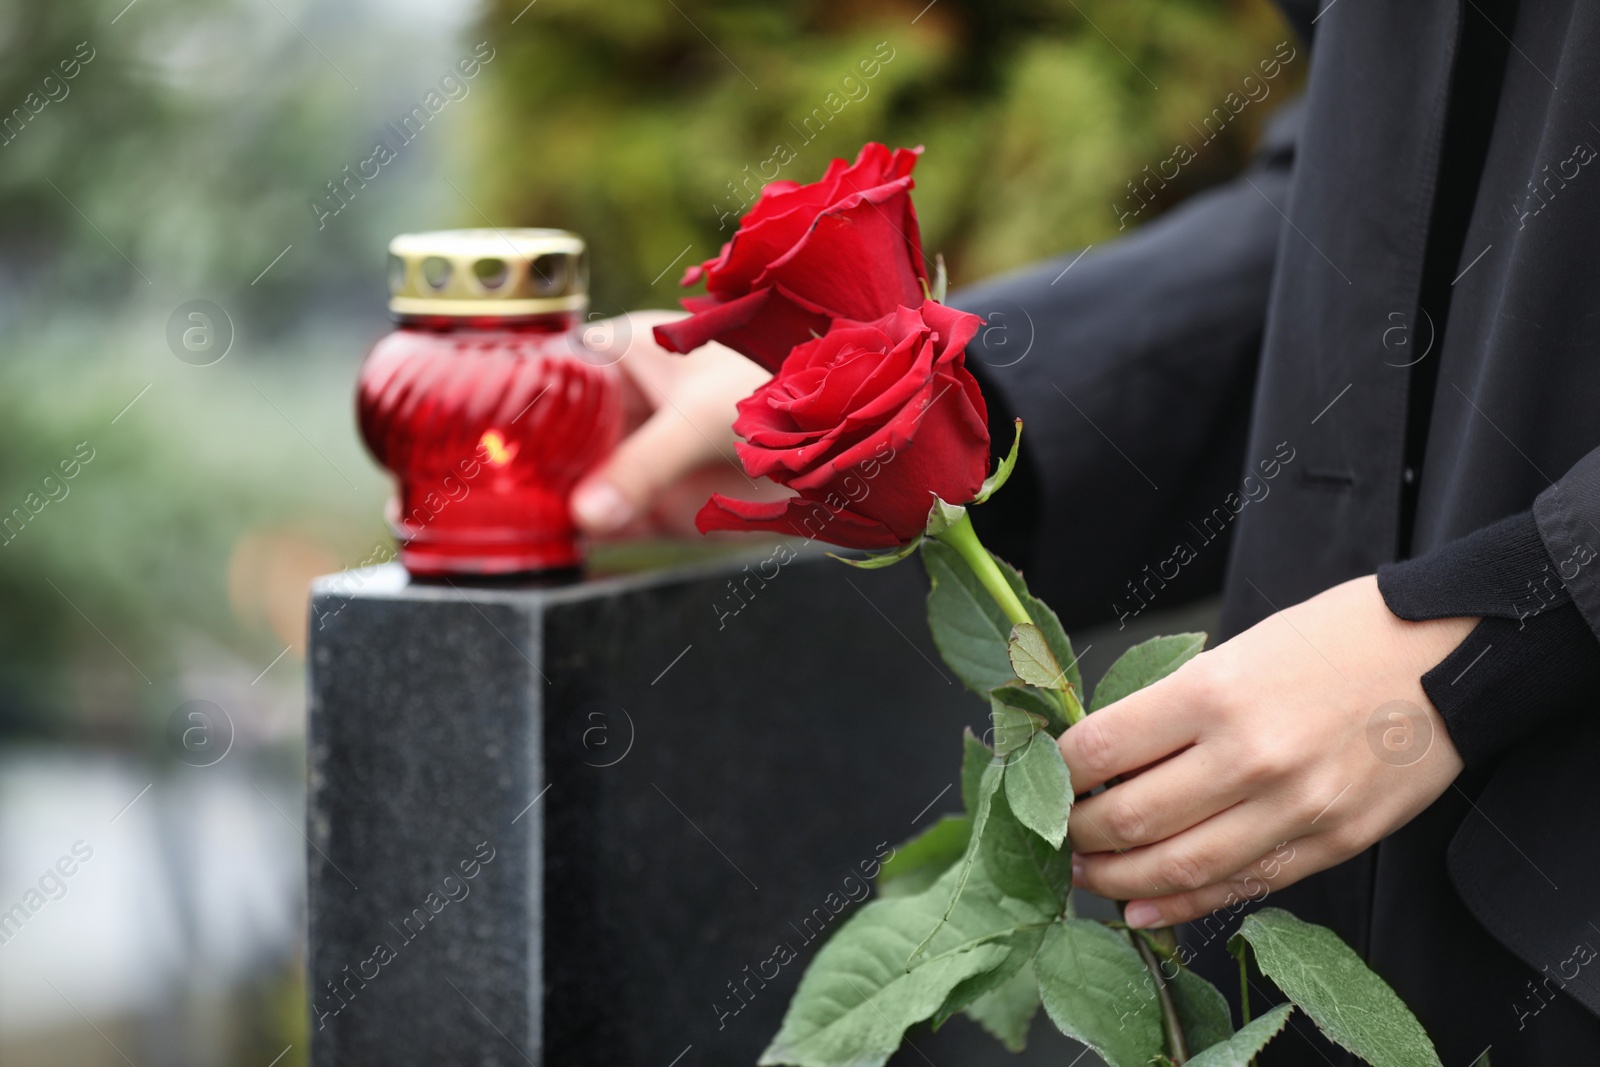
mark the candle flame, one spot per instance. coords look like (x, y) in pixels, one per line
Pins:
(494, 449)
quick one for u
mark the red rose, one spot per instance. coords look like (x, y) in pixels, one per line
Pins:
(865, 424)
(846, 247)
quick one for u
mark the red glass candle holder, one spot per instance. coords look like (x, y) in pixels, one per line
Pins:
(484, 403)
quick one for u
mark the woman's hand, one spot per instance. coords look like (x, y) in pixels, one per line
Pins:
(679, 445)
(1310, 729)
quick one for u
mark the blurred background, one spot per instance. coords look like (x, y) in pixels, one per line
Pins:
(160, 152)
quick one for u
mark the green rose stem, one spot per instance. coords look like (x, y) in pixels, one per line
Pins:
(1177, 1046)
(964, 539)
(960, 536)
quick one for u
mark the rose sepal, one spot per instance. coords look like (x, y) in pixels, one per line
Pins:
(878, 560)
(1002, 473)
(943, 516)
(941, 280)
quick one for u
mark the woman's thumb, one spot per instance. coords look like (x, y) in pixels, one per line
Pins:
(647, 461)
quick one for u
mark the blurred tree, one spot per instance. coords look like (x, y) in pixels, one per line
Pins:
(646, 125)
(184, 152)
(156, 153)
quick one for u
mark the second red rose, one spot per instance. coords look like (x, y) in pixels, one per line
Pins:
(866, 424)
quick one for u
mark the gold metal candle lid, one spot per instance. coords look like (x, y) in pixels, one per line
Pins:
(487, 272)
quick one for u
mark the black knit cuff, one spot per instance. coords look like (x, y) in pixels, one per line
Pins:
(1509, 680)
(1529, 660)
(1501, 571)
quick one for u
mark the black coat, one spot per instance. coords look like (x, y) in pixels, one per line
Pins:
(1398, 262)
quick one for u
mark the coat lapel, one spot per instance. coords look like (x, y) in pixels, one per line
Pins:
(1349, 269)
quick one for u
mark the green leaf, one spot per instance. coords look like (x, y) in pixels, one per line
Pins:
(1002, 473)
(972, 633)
(1013, 727)
(918, 863)
(1237, 1050)
(1327, 980)
(1096, 989)
(941, 280)
(975, 759)
(857, 998)
(962, 871)
(877, 560)
(1019, 863)
(1146, 662)
(1050, 626)
(1006, 1012)
(875, 978)
(1033, 701)
(970, 630)
(1039, 789)
(1023, 944)
(1032, 659)
(1202, 1010)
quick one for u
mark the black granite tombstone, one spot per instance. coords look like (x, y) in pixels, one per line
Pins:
(570, 823)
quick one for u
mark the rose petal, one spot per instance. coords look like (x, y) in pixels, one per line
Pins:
(955, 328)
(860, 259)
(771, 452)
(783, 212)
(945, 452)
(795, 517)
(763, 326)
(831, 389)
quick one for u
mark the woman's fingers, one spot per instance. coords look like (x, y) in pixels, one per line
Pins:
(1192, 860)
(1282, 866)
(654, 456)
(1164, 800)
(1135, 731)
(691, 403)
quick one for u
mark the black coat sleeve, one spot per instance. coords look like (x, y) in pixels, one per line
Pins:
(1132, 365)
(1533, 579)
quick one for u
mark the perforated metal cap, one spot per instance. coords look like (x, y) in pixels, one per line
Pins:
(488, 272)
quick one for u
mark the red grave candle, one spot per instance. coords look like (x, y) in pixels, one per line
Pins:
(483, 401)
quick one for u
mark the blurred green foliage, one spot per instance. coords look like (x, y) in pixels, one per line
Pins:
(150, 154)
(183, 156)
(117, 584)
(634, 121)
